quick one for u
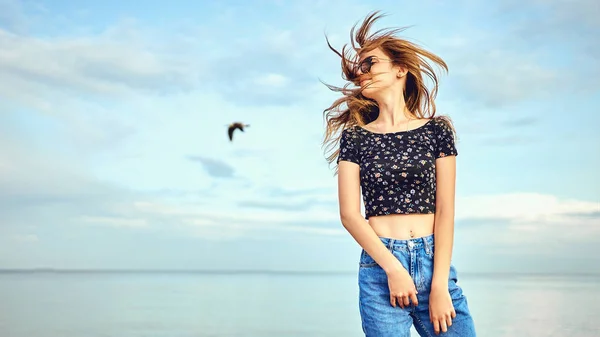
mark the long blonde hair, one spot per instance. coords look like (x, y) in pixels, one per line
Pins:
(355, 109)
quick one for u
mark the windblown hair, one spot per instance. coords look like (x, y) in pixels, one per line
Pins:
(355, 109)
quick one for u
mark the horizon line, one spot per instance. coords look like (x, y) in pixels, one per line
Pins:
(267, 271)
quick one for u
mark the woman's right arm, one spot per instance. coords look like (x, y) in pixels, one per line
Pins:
(355, 223)
(402, 287)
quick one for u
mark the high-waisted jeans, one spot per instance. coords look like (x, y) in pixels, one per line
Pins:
(381, 319)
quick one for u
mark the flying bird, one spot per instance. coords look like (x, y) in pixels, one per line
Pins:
(236, 125)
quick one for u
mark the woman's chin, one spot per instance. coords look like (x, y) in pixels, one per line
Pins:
(369, 92)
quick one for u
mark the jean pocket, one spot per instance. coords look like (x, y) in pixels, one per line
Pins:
(366, 261)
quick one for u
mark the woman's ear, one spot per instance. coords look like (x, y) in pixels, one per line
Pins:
(402, 71)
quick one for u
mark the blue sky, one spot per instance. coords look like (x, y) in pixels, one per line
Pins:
(114, 153)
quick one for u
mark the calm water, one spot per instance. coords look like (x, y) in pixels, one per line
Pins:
(249, 305)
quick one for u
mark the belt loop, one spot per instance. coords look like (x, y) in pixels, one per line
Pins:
(391, 244)
(427, 246)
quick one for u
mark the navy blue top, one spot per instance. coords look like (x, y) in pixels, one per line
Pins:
(397, 169)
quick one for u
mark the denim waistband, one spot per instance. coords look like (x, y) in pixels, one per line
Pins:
(425, 242)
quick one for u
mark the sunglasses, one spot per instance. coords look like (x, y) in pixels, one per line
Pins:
(365, 65)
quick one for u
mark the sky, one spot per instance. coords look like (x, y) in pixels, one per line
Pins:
(114, 151)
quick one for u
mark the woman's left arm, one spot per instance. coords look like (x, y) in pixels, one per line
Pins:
(441, 309)
(444, 219)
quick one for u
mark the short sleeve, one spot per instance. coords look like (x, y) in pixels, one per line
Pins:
(349, 147)
(445, 144)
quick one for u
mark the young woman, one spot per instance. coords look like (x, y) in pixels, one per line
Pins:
(403, 157)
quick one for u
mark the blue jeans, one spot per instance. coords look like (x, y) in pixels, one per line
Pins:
(380, 319)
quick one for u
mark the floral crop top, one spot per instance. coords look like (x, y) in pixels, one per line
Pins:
(397, 169)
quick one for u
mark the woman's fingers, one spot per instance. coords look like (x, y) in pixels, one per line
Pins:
(436, 326)
(401, 301)
(414, 299)
(393, 300)
(442, 324)
(404, 299)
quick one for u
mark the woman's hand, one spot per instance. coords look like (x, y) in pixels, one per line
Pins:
(402, 288)
(441, 309)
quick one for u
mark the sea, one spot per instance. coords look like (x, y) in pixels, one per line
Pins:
(51, 303)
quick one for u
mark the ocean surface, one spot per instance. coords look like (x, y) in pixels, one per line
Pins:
(185, 304)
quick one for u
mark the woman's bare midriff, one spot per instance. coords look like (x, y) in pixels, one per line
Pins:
(401, 226)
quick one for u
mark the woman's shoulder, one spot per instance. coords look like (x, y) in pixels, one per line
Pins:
(442, 122)
(352, 136)
(351, 131)
(443, 128)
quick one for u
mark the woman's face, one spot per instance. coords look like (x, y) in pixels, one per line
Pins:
(376, 73)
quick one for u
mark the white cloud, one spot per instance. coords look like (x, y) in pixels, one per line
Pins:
(516, 217)
(523, 51)
(501, 77)
(26, 238)
(228, 230)
(114, 221)
(527, 223)
(522, 207)
(272, 80)
(112, 63)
